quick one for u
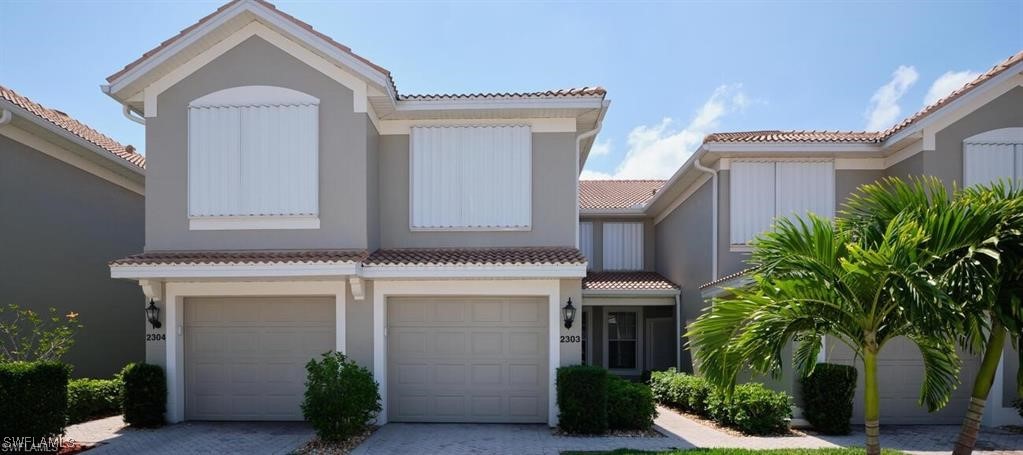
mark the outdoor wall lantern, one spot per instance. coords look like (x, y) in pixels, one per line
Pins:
(153, 314)
(568, 313)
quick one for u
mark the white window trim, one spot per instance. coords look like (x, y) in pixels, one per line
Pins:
(527, 228)
(747, 247)
(639, 339)
(239, 223)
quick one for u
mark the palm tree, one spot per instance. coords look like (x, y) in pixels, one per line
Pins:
(861, 280)
(992, 308)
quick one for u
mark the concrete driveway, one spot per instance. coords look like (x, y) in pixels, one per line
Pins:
(192, 437)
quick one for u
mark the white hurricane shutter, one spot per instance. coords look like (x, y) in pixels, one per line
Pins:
(986, 163)
(623, 246)
(804, 187)
(477, 177)
(752, 197)
(250, 157)
(586, 242)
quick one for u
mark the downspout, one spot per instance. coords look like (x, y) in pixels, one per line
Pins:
(678, 331)
(713, 214)
(5, 117)
(126, 110)
(578, 145)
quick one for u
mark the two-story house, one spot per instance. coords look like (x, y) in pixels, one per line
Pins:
(736, 184)
(297, 203)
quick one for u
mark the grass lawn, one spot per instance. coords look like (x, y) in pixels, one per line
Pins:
(856, 451)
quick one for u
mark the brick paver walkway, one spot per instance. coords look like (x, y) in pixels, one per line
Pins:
(192, 437)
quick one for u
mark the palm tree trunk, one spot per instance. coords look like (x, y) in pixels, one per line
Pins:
(981, 387)
(871, 405)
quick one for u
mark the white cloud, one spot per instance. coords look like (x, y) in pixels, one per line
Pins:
(656, 151)
(884, 105)
(594, 175)
(948, 83)
(601, 148)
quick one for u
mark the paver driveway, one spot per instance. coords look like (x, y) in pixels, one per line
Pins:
(192, 437)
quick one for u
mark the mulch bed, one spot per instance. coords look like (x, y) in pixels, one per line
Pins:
(318, 447)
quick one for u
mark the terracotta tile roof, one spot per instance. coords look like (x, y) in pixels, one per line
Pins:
(561, 93)
(242, 257)
(627, 281)
(728, 277)
(265, 3)
(867, 137)
(476, 256)
(994, 71)
(75, 127)
(616, 194)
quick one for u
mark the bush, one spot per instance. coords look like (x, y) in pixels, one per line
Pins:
(754, 409)
(88, 399)
(682, 391)
(27, 336)
(828, 397)
(630, 406)
(341, 397)
(34, 402)
(144, 400)
(582, 399)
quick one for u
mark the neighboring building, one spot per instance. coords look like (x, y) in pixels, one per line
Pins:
(296, 203)
(735, 184)
(73, 200)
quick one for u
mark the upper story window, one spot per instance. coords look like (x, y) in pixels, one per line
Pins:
(586, 242)
(993, 155)
(253, 159)
(623, 246)
(764, 190)
(471, 178)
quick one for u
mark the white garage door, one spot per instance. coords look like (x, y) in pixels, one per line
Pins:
(245, 356)
(467, 359)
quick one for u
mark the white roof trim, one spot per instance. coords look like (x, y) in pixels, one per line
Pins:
(631, 292)
(563, 102)
(475, 271)
(292, 269)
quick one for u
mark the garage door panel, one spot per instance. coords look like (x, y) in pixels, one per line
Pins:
(488, 369)
(245, 357)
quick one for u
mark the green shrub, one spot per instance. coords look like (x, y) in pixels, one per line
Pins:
(145, 395)
(341, 397)
(755, 409)
(828, 397)
(630, 406)
(680, 390)
(88, 399)
(34, 399)
(582, 399)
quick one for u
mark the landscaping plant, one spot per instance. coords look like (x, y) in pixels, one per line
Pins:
(27, 336)
(93, 398)
(752, 408)
(341, 398)
(582, 399)
(34, 399)
(144, 401)
(828, 397)
(630, 406)
(863, 280)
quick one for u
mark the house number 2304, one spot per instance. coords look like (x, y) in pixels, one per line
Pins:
(156, 337)
(571, 339)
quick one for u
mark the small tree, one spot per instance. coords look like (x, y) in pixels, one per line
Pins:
(27, 336)
(340, 397)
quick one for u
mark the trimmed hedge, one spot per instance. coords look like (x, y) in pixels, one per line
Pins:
(341, 397)
(630, 406)
(752, 408)
(828, 397)
(34, 400)
(88, 399)
(582, 399)
(144, 400)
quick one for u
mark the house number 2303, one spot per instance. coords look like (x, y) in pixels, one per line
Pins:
(571, 339)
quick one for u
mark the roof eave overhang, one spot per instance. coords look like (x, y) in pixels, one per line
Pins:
(629, 212)
(98, 154)
(518, 271)
(631, 292)
(239, 270)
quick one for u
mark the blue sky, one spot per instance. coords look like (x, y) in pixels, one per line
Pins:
(674, 70)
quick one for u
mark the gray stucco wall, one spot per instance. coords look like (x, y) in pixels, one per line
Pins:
(909, 167)
(728, 261)
(847, 181)
(684, 253)
(1010, 367)
(946, 160)
(342, 167)
(554, 203)
(69, 224)
(596, 263)
(372, 186)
